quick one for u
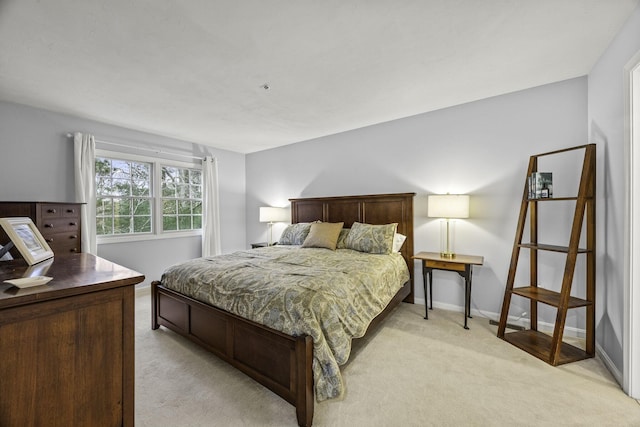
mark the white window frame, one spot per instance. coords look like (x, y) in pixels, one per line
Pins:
(156, 195)
(631, 331)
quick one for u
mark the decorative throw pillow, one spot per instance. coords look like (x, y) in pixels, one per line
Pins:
(398, 241)
(323, 235)
(373, 239)
(295, 234)
(341, 238)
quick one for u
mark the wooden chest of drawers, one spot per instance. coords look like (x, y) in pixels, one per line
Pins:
(67, 347)
(59, 223)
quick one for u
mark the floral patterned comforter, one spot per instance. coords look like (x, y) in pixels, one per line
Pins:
(330, 295)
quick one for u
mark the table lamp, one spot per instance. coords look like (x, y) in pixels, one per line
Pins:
(272, 215)
(448, 207)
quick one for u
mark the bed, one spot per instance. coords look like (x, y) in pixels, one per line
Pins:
(283, 362)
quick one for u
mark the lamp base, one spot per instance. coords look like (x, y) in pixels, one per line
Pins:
(447, 230)
(269, 242)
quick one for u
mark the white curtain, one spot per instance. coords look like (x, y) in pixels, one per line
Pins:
(84, 162)
(210, 208)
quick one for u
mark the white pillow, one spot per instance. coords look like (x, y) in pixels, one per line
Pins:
(398, 240)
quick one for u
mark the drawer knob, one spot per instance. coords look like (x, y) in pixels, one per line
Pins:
(73, 236)
(48, 225)
(73, 223)
(49, 240)
(51, 210)
(71, 210)
(74, 250)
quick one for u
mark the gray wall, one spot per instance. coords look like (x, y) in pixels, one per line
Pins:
(606, 128)
(481, 148)
(36, 164)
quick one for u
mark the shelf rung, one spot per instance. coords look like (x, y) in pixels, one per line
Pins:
(555, 199)
(552, 248)
(549, 297)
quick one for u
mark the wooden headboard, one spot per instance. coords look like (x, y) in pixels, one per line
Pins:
(370, 209)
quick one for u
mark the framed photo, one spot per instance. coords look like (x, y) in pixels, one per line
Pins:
(27, 239)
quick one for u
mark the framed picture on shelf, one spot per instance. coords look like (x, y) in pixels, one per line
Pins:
(27, 239)
(540, 185)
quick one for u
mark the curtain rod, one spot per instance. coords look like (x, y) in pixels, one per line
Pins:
(156, 151)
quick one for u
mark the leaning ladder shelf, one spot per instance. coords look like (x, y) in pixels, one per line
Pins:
(552, 349)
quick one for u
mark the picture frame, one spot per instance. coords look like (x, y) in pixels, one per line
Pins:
(27, 239)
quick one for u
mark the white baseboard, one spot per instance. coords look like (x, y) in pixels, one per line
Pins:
(609, 364)
(514, 320)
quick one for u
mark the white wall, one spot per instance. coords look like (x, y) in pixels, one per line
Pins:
(36, 164)
(481, 148)
(606, 128)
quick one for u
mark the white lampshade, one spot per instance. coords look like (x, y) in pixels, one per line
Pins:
(448, 206)
(270, 214)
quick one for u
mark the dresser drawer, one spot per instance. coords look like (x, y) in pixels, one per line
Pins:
(63, 243)
(56, 210)
(71, 211)
(58, 225)
(445, 265)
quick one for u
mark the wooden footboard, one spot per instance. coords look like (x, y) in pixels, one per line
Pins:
(280, 362)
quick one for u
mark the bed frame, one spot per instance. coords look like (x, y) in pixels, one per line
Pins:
(281, 362)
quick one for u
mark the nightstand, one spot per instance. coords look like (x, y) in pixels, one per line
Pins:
(460, 264)
(261, 245)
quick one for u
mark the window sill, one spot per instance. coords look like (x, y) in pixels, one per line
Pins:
(105, 240)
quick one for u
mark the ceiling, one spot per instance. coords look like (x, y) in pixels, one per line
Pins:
(249, 75)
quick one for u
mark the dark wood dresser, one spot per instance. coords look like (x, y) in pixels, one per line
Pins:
(59, 223)
(67, 347)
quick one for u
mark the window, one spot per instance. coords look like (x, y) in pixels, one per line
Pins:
(181, 199)
(123, 197)
(145, 198)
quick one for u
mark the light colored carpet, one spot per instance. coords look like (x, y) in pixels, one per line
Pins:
(412, 372)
